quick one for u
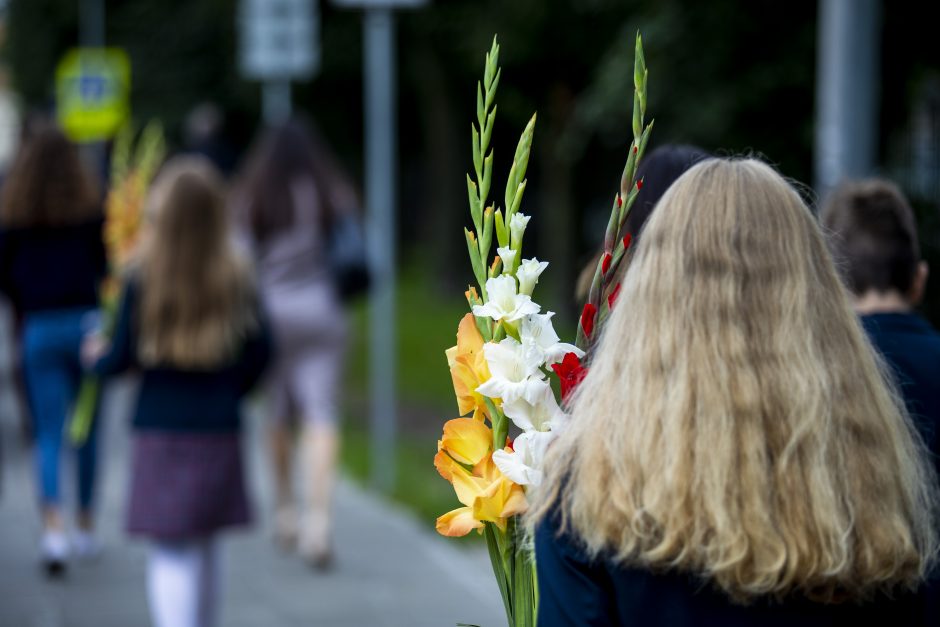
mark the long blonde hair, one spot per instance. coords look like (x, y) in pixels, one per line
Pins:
(196, 292)
(735, 423)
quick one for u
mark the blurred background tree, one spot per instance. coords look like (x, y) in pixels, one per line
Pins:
(729, 76)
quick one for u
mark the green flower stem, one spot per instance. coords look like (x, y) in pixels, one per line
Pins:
(516, 183)
(525, 584)
(479, 271)
(476, 211)
(610, 234)
(613, 235)
(487, 239)
(502, 229)
(491, 533)
(84, 412)
(496, 268)
(500, 426)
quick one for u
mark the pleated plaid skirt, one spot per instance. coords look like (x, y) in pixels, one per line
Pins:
(185, 485)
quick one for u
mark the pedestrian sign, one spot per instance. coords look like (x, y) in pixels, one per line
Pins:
(92, 93)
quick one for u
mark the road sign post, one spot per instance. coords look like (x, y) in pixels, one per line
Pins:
(280, 42)
(380, 83)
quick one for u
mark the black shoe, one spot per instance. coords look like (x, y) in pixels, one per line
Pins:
(54, 569)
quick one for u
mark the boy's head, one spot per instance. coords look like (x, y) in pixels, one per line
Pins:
(872, 233)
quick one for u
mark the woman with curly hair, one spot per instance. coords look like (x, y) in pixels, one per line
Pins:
(737, 454)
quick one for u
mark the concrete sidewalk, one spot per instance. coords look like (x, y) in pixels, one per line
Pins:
(390, 570)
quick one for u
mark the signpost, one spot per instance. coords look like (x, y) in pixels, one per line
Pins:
(280, 42)
(846, 91)
(93, 93)
(381, 191)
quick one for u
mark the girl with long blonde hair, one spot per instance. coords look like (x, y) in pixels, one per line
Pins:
(190, 322)
(736, 455)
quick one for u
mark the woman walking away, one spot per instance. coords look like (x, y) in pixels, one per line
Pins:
(190, 322)
(294, 192)
(736, 455)
(51, 260)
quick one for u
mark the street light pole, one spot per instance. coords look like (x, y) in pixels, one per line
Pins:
(847, 65)
(380, 118)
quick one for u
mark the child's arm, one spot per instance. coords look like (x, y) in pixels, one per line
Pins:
(120, 355)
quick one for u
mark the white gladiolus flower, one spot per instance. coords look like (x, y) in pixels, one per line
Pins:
(523, 465)
(515, 372)
(504, 303)
(542, 415)
(537, 329)
(517, 224)
(508, 255)
(528, 274)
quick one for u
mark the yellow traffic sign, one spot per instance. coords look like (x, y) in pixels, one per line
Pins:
(93, 92)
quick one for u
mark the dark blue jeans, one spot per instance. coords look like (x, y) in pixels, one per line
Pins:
(51, 346)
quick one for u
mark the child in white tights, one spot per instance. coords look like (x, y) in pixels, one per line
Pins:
(191, 324)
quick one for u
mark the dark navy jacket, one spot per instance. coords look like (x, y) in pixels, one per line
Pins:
(45, 268)
(576, 592)
(171, 399)
(912, 349)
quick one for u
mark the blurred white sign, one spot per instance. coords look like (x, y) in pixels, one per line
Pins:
(280, 39)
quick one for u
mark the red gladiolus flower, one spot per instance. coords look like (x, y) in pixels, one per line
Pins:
(570, 373)
(619, 201)
(613, 296)
(587, 318)
(635, 149)
(639, 184)
(627, 240)
(605, 264)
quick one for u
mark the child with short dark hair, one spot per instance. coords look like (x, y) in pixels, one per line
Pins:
(191, 323)
(872, 233)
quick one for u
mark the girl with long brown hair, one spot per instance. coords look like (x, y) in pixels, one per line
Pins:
(52, 259)
(736, 454)
(190, 321)
(293, 192)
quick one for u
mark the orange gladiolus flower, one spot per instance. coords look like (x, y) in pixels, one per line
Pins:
(468, 368)
(465, 458)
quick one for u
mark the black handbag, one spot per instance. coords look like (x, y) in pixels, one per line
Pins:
(349, 263)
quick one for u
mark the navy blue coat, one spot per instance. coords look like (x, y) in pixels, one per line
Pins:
(575, 591)
(912, 349)
(172, 399)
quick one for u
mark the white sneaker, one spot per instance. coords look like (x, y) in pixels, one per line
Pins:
(55, 552)
(85, 545)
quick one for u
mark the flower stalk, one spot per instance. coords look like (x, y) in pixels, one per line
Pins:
(615, 242)
(507, 351)
(131, 171)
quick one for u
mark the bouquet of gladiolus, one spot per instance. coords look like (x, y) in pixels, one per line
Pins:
(132, 168)
(507, 350)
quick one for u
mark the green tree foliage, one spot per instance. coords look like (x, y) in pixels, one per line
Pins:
(730, 76)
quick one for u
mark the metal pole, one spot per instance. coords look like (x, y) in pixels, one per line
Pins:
(91, 23)
(380, 116)
(91, 34)
(848, 47)
(276, 101)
